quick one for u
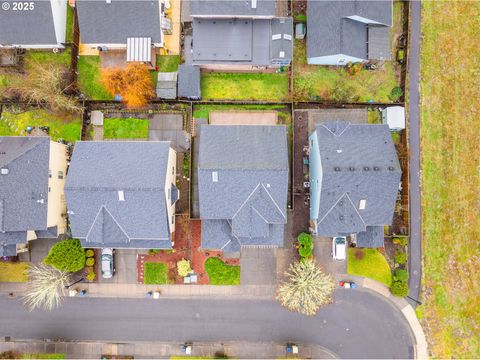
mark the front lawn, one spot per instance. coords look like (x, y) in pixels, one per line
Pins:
(43, 356)
(155, 273)
(221, 274)
(89, 78)
(13, 271)
(125, 128)
(245, 86)
(373, 265)
(66, 127)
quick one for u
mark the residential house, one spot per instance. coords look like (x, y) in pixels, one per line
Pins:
(339, 32)
(135, 27)
(240, 34)
(354, 181)
(243, 185)
(122, 194)
(32, 180)
(33, 24)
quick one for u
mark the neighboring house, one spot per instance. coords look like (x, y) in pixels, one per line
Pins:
(354, 181)
(39, 24)
(240, 33)
(243, 185)
(122, 194)
(134, 26)
(339, 32)
(32, 179)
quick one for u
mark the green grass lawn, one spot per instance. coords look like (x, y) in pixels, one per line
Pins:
(203, 110)
(373, 266)
(60, 58)
(89, 78)
(165, 63)
(125, 128)
(13, 271)
(245, 86)
(43, 356)
(221, 274)
(155, 273)
(66, 127)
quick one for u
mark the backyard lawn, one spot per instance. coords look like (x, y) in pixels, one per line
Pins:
(221, 274)
(125, 128)
(89, 78)
(155, 273)
(245, 86)
(373, 265)
(66, 127)
(41, 57)
(450, 137)
(43, 356)
(13, 271)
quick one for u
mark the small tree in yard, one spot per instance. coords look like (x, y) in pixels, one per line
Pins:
(45, 287)
(306, 289)
(133, 84)
(67, 255)
(183, 267)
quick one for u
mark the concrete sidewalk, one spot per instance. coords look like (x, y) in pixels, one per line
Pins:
(96, 350)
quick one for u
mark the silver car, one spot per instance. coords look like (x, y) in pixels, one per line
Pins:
(339, 248)
(107, 266)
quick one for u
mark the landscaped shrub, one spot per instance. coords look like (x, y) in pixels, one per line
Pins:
(90, 276)
(183, 267)
(67, 255)
(399, 288)
(400, 258)
(353, 69)
(90, 261)
(396, 93)
(305, 245)
(89, 253)
(153, 251)
(401, 275)
(402, 241)
(359, 254)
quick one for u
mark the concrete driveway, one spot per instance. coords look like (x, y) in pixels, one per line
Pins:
(243, 118)
(169, 127)
(258, 266)
(125, 262)
(322, 252)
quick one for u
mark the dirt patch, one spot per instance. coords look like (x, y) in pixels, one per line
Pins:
(243, 117)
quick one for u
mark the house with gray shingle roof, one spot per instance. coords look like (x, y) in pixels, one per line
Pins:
(122, 194)
(39, 24)
(243, 185)
(354, 180)
(32, 173)
(240, 33)
(339, 32)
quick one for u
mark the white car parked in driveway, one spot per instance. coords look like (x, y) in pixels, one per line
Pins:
(339, 248)
(107, 266)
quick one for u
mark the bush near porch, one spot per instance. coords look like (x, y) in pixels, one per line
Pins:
(221, 274)
(369, 263)
(155, 273)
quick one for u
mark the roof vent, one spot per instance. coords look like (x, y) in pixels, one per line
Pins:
(41, 201)
(214, 176)
(282, 54)
(351, 168)
(121, 195)
(362, 205)
(336, 168)
(366, 168)
(268, 185)
(376, 168)
(254, 4)
(391, 168)
(341, 217)
(108, 1)
(4, 171)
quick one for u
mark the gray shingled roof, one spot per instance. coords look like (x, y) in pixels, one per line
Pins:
(330, 32)
(103, 23)
(32, 27)
(232, 8)
(379, 42)
(189, 82)
(8, 250)
(98, 171)
(248, 202)
(371, 238)
(359, 162)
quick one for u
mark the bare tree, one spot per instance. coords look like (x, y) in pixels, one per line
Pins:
(306, 289)
(45, 287)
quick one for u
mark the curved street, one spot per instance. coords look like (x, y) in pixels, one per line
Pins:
(359, 324)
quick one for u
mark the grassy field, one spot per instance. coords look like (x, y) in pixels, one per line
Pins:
(89, 78)
(450, 135)
(66, 127)
(373, 266)
(13, 271)
(125, 128)
(155, 273)
(245, 86)
(221, 274)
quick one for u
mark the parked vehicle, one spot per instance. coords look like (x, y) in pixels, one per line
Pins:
(348, 284)
(107, 266)
(339, 248)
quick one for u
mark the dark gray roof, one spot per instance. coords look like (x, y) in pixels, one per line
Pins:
(8, 250)
(284, 27)
(98, 171)
(232, 8)
(379, 42)
(359, 162)
(371, 238)
(330, 32)
(104, 23)
(250, 164)
(32, 27)
(167, 85)
(50, 233)
(189, 82)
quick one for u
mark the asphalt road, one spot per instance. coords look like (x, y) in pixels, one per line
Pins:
(415, 248)
(359, 324)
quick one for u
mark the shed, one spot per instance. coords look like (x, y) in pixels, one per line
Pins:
(96, 118)
(394, 117)
(300, 31)
(189, 85)
(167, 85)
